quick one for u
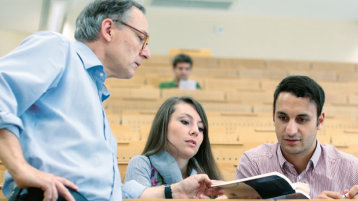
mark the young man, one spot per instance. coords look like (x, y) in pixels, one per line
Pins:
(55, 138)
(182, 66)
(297, 115)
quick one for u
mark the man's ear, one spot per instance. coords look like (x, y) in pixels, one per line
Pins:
(107, 29)
(320, 121)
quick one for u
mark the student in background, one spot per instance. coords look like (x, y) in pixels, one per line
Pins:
(177, 147)
(297, 115)
(182, 67)
(55, 138)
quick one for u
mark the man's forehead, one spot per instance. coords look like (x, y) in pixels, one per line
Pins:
(137, 19)
(288, 103)
(302, 114)
(183, 64)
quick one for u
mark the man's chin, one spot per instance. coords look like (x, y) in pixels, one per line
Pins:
(124, 76)
(292, 150)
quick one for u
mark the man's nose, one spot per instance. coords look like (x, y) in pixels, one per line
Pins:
(145, 52)
(291, 128)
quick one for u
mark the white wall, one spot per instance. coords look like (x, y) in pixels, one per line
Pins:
(9, 40)
(254, 37)
(241, 37)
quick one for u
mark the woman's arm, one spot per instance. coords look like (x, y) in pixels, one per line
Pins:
(139, 169)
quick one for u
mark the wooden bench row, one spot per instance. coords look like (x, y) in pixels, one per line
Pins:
(152, 80)
(218, 100)
(245, 63)
(163, 73)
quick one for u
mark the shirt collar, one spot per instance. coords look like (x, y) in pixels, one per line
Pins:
(93, 66)
(314, 159)
(281, 158)
(87, 56)
(175, 82)
(317, 154)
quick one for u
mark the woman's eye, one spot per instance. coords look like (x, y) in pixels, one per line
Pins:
(185, 122)
(201, 130)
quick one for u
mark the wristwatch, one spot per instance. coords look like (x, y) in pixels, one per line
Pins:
(168, 192)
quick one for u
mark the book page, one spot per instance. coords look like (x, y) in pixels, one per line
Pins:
(293, 196)
(240, 191)
(187, 84)
(266, 185)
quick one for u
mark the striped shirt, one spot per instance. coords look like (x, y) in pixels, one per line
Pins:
(328, 168)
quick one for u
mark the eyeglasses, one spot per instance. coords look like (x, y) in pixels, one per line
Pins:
(144, 41)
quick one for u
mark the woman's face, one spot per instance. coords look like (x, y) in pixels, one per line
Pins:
(185, 132)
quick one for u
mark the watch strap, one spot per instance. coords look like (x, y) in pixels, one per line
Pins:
(168, 192)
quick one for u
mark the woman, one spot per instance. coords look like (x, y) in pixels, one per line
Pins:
(178, 146)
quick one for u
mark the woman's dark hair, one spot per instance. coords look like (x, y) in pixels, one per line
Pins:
(157, 139)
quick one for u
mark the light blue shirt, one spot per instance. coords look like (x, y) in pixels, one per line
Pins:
(51, 99)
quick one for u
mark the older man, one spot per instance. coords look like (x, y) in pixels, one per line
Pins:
(55, 138)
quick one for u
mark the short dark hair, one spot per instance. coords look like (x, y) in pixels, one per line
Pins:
(157, 139)
(301, 86)
(89, 21)
(182, 58)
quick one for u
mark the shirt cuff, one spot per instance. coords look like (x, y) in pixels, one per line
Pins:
(132, 189)
(11, 123)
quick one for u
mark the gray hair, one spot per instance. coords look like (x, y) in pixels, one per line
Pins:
(88, 23)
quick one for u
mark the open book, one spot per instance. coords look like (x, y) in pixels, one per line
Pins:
(272, 185)
(187, 84)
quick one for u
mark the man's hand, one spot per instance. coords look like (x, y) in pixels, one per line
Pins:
(352, 193)
(196, 186)
(52, 185)
(27, 176)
